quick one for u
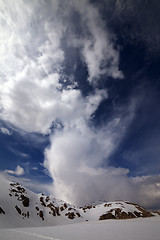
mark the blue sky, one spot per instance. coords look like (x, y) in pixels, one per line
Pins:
(79, 98)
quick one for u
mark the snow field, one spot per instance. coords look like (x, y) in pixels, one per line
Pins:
(133, 229)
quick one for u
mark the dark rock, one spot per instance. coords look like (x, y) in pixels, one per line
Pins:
(62, 208)
(65, 205)
(2, 211)
(108, 215)
(37, 208)
(14, 190)
(20, 189)
(107, 204)
(138, 214)
(50, 205)
(69, 209)
(41, 214)
(70, 215)
(25, 201)
(18, 209)
(87, 207)
(78, 214)
(28, 214)
(47, 199)
(57, 211)
(53, 212)
(42, 202)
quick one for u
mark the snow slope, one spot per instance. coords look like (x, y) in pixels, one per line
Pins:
(131, 229)
(20, 207)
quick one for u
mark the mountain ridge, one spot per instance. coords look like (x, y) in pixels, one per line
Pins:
(20, 207)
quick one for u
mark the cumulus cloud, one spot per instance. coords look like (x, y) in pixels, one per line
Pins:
(75, 159)
(32, 61)
(31, 95)
(18, 171)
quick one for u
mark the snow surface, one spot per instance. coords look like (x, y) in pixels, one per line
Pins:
(133, 229)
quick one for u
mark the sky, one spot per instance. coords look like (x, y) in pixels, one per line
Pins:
(79, 98)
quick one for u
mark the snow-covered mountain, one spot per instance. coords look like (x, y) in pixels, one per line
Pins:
(20, 207)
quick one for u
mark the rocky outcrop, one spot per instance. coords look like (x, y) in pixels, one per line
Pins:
(144, 212)
(122, 213)
(118, 214)
(20, 193)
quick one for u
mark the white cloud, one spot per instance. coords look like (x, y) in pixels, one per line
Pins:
(18, 153)
(76, 156)
(5, 131)
(31, 96)
(33, 104)
(97, 45)
(18, 171)
(35, 168)
(148, 190)
(29, 77)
